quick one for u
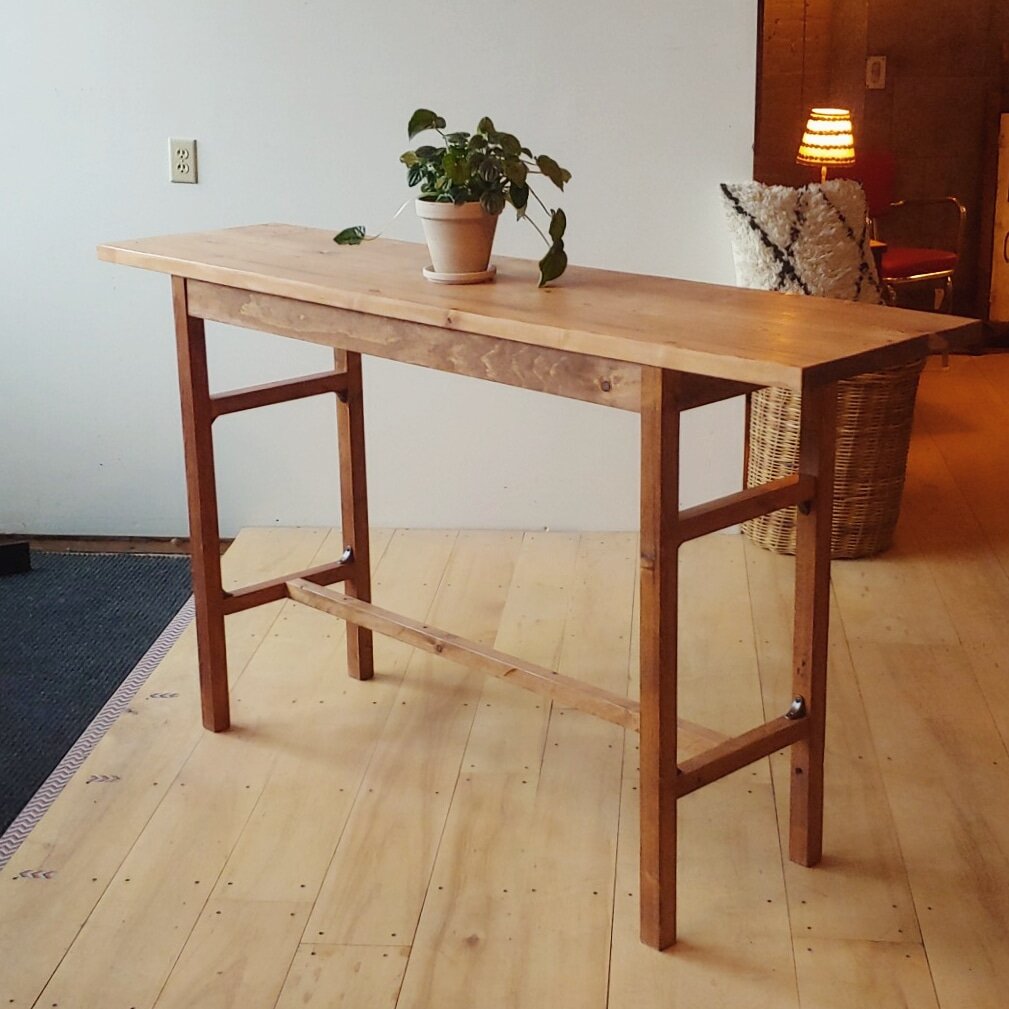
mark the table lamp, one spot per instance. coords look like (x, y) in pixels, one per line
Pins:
(828, 140)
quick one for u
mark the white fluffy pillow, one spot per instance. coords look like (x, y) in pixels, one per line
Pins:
(813, 240)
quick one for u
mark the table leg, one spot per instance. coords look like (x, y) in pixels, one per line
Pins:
(354, 508)
(812, 612)
(204, 534)
(660, 435)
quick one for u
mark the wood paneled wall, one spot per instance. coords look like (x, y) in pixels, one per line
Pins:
(938, 114)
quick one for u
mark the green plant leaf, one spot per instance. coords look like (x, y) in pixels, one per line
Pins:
(457, 139)
(414, 175)
(477, 142)
(509, 144)
(409, 158)
(558, 224)
(424, 119)
(455, 168)
(486, 127)
(519, 196)
(427, 152)
(350, 236)
(515, 171)
(552, 170)
(489, 169)
(553, 264)
(493, 201)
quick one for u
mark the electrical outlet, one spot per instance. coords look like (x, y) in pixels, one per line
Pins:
(875, 73)
(183, 160)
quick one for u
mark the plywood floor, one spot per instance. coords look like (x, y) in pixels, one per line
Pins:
(433, 840)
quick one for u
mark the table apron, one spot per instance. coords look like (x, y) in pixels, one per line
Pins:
(569, 374)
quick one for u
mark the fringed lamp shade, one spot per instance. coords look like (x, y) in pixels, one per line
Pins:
(828, 140)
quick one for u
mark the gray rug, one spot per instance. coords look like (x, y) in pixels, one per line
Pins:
(71, 631)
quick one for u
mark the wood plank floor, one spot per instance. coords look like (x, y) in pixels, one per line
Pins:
(437, 840)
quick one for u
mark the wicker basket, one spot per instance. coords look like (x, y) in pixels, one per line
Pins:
(874, 414)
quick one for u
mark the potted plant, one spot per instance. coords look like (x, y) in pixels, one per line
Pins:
(464, 186)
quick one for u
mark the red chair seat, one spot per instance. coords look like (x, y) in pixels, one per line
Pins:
(900, 261)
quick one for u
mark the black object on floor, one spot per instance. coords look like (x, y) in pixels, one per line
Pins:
(15, 558)
(71, 630)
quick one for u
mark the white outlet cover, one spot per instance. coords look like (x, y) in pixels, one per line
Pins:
(182, 163)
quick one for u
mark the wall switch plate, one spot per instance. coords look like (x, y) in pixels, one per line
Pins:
(183, 160)
(875, 73)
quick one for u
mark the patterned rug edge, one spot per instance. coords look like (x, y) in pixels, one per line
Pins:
(26, 820)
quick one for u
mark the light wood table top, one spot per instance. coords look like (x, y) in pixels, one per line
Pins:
(750, 336)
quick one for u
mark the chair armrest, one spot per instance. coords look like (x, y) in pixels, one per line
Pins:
(935, 201)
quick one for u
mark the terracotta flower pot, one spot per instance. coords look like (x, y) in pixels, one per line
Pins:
(459, 237)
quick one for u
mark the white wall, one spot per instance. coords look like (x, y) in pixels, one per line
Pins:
(300, 111)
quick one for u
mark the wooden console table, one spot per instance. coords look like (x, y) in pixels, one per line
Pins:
(653, 345)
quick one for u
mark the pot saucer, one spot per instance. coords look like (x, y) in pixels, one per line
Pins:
(478, 277)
